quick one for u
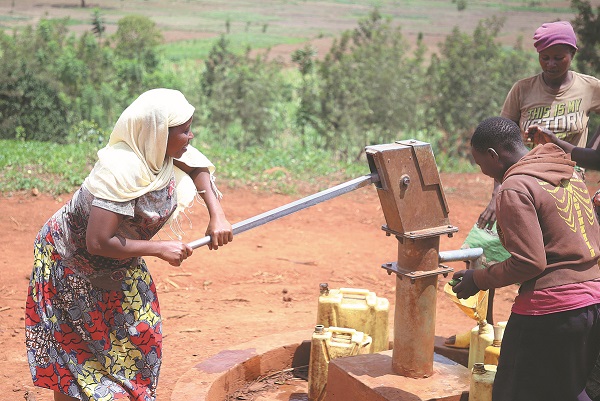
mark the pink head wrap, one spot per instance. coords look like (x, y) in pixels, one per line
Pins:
(554, 33)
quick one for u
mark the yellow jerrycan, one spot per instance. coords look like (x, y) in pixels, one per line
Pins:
(492, 352)
(328, 343)
(482, 381)
(482, 336)
(358, 309)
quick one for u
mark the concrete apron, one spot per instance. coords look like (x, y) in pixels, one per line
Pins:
(368, 378)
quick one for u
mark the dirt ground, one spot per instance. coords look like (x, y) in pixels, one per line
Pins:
(266, 281)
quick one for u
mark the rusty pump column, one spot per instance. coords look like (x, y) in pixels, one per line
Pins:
(416, 213)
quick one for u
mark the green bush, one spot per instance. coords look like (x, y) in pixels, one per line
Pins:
(365, 91)
(243, 98)
(87, 132)
(469, 82)
(32, 108)
(371, 87)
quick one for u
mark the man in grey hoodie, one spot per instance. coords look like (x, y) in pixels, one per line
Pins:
(547, 223)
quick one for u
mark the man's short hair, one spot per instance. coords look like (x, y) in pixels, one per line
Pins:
(496, 133)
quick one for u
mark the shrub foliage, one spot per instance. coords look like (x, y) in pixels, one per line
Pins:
(371, 86)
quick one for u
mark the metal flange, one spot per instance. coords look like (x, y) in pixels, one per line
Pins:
(427, 233)
(392, 267)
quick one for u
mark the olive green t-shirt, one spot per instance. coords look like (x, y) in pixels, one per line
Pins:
(565, 112)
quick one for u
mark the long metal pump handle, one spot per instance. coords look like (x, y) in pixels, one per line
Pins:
(295, 206)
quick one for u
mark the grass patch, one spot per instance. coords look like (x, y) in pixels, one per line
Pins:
(288, 171)
(196, 49)
(59, 169)
(199, 49)
(49, 167)
(529, 7)
(370, 3)
(13, 18)
(237, 16)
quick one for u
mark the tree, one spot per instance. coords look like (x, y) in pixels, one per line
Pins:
(587, 60)
(32, 101)
(32, 108)
(587, 26)
(244, 96)
(137, 39)
(136, 48)
(469, 81)
(98, 24)
(305, 58)
(367, 88)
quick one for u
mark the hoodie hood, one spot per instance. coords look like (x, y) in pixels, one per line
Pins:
(545, 162)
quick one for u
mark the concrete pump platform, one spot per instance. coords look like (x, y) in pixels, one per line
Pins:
(370, 378)
(362, 377)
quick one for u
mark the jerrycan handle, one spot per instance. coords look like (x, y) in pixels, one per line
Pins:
(350, 336)
(341, 330)
(355, 291)
(342, 335)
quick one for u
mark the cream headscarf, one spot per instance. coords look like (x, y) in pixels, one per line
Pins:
(134, 162)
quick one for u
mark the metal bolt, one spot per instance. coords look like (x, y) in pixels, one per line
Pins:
(405, 180)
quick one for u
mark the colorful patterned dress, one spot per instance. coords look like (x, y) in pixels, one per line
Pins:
(85, 341)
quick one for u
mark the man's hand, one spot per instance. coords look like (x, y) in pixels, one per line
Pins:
(488, 217)
(466, 286)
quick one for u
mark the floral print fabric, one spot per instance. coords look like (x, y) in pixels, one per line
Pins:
(85, 341)
(89, 343)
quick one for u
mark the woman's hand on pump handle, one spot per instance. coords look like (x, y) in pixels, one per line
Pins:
(174, 252)
(220, 232)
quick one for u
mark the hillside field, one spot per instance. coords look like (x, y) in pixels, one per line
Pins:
(285, 25)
